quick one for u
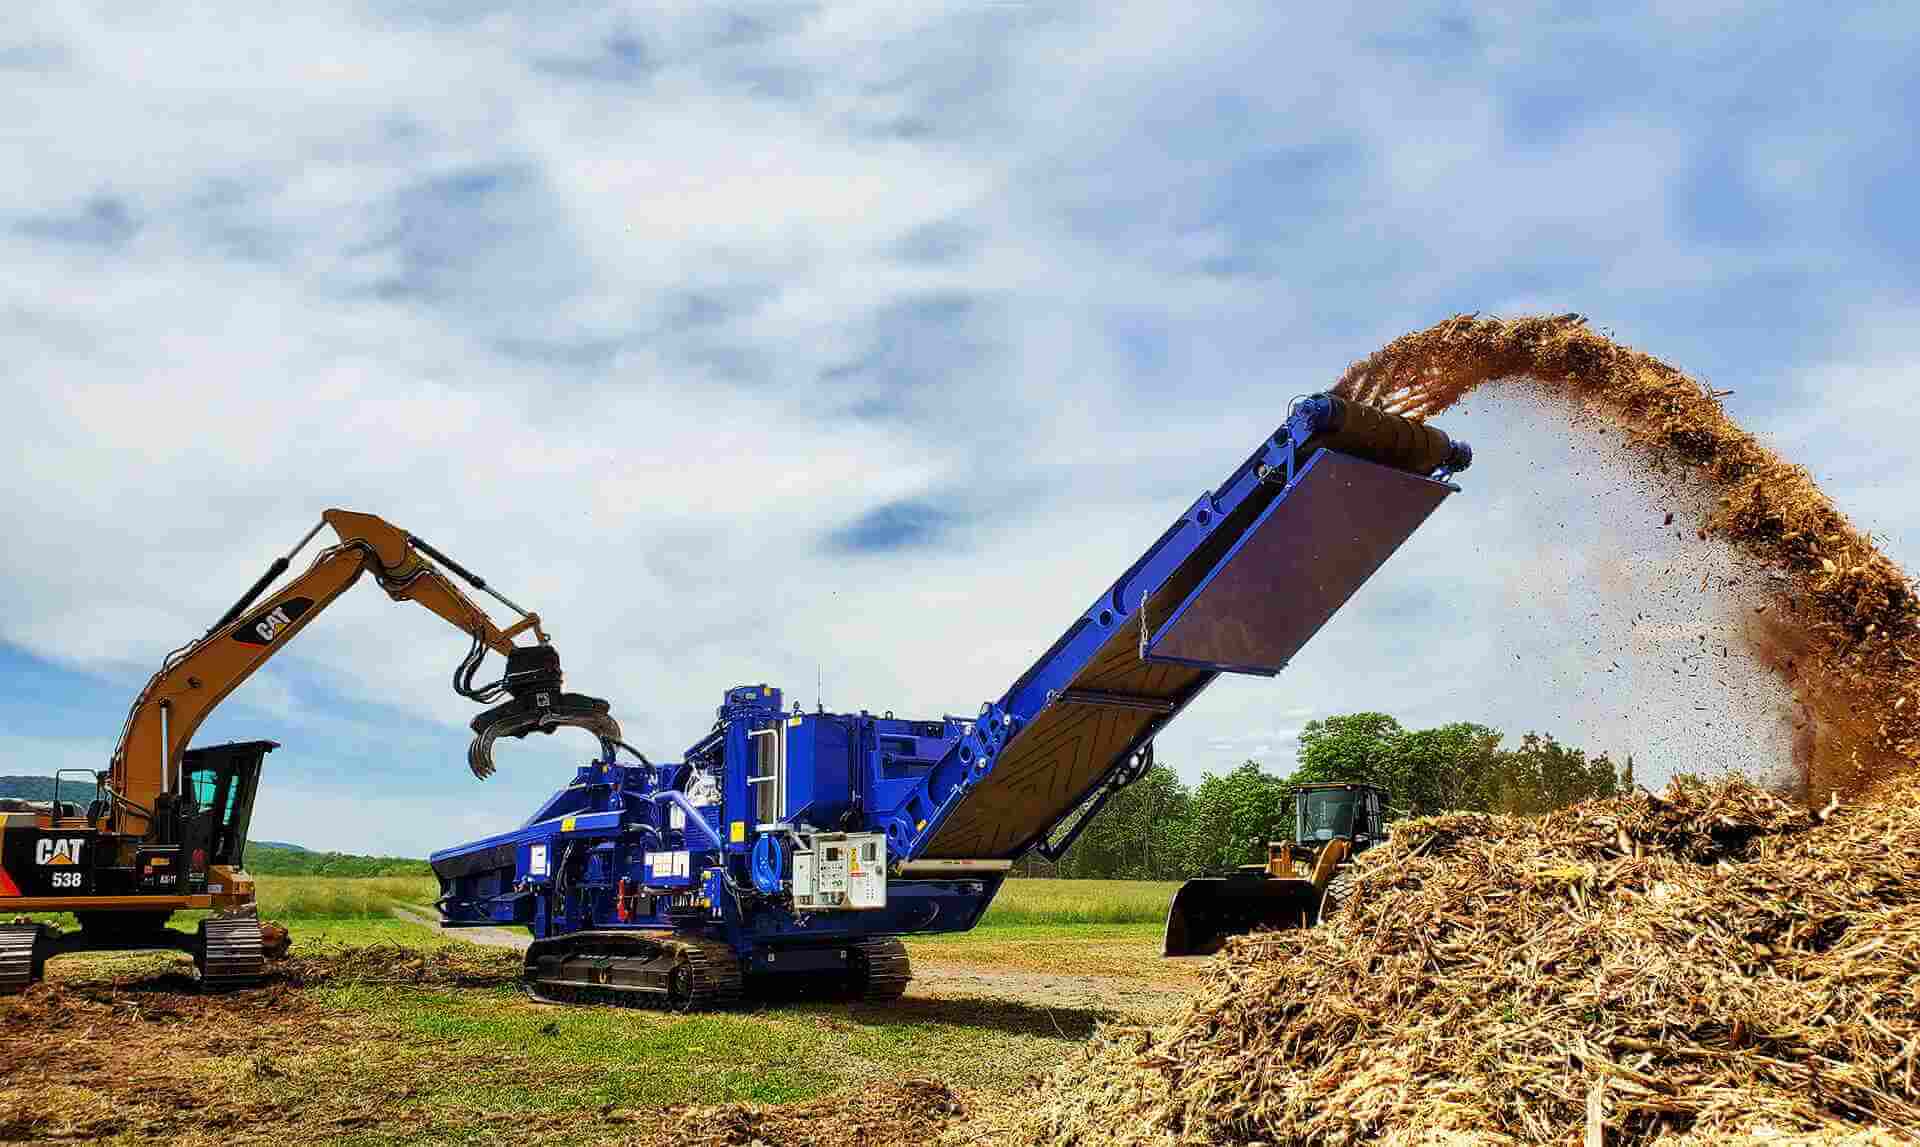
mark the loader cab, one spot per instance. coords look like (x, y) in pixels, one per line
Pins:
(1330, 811)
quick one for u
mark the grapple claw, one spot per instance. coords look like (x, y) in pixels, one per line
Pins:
(541, 713)
(538, 706)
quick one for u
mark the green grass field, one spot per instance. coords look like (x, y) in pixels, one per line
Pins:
(341, 897)
(360, 909)
(1020, 902)
(1026, 901)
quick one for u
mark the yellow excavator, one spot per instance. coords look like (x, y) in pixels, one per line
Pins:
(164, 827)
(1332, 822)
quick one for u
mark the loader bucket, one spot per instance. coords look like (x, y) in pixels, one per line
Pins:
(1209, 909)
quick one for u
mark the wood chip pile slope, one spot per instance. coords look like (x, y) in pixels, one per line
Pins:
(1714, 961)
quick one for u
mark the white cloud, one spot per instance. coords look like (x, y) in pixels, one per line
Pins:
(629, 310)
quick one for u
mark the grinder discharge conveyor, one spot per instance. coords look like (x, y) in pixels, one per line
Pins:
(789, 849)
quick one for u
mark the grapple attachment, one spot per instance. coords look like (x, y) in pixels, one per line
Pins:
(538, 706)
(1208, 909)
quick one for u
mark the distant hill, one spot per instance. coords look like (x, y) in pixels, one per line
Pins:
(41, 789)
(272, 858)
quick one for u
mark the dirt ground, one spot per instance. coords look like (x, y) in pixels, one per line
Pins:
(948, 978)
(398, 1045)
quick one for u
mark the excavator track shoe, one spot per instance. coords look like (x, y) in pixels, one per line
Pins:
(23, 956)
(625, 969)
(230, 953)
(880, 970)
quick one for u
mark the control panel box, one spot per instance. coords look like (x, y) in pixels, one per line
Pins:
(840, 871)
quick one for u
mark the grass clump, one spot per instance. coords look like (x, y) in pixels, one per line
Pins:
(335, 897)
(1030, 902)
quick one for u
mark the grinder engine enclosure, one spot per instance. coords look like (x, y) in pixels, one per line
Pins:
(790, 846)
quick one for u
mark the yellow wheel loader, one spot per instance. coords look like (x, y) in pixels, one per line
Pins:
(1332, 822)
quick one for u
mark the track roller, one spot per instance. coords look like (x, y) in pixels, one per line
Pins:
(229, 953)
(634, 969)
(23, 956)
(880, 971)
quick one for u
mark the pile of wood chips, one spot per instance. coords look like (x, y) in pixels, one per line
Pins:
(1715, 964)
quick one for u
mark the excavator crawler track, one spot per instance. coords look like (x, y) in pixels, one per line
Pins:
(628, 969)
(22, 956)
(231, 954)
(880, 970)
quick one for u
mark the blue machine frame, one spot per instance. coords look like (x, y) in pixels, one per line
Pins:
(732, 843)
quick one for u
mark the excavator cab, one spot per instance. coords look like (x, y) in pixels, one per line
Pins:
(221, 781)
(1331, 823)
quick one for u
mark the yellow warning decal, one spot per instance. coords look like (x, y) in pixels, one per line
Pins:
(739, 831)
(566, 825)
(793, 722)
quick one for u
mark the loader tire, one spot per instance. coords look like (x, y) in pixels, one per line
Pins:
(1338, 890)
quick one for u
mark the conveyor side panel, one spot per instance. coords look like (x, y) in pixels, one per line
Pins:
(1248, 575)
(1303, 559)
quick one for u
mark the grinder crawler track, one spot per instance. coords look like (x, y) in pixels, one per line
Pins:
(631, 969)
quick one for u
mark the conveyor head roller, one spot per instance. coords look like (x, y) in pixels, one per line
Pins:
(1371, 433)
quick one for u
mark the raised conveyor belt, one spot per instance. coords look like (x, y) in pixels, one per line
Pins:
(1238, 584)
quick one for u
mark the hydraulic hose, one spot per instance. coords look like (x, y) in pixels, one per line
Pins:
(694, 815)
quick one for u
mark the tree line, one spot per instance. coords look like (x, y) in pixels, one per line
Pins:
(1159, 828)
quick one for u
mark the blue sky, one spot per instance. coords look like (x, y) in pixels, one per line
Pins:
(871, 341)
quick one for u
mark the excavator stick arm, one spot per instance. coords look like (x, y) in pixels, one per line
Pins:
(175, 702)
